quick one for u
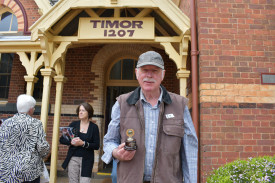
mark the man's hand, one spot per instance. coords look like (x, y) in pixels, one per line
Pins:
(121, 154)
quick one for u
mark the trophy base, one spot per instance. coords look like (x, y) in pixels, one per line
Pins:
(130, 145)
(130, 148)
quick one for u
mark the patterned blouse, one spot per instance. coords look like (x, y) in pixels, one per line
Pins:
(22, 148)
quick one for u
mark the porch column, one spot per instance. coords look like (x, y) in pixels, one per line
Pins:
(48, 74)
(30, 84)
(182, 75)
(57, 112)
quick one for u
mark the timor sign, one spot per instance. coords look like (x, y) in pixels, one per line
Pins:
(116, 28)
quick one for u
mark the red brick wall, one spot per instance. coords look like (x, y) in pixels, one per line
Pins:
(17, 82)
(236, 43)
(32, 11)
(235, 131)
(78, 73)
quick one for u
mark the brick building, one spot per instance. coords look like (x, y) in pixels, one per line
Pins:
(45, 42)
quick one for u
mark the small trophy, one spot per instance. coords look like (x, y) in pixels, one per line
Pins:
(130, 144)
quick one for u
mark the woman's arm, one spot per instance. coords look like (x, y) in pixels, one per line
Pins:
(93, 142)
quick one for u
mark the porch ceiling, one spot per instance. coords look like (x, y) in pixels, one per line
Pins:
(63, 18)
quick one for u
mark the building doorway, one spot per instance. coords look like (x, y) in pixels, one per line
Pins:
(111, 94)
(121, 79)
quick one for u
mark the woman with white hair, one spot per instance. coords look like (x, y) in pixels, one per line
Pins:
(23, 145)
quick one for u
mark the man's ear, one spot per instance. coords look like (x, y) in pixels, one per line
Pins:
(136, 71)
(162, 74)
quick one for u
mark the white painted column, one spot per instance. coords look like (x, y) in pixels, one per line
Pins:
(182, 75)
(30, 84)
(57, 113)
(48, 74)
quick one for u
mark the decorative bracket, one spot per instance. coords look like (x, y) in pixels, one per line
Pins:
(31, 65)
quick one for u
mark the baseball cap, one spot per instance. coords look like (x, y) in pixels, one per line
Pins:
(150, 58)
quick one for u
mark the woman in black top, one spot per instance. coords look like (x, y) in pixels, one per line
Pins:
(80, 156)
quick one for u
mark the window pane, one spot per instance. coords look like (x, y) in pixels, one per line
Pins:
(128, 69)
(5, 21)
(3, 80)
(10, 57)
(4, 92)
(116, 71)
(5, 15)
(6, 60)
(3, 67)
(14, 25)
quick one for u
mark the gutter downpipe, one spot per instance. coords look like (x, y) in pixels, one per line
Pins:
(194, 75)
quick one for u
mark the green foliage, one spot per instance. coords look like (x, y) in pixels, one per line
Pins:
(254, 170)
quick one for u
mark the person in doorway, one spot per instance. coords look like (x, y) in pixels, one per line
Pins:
(80, 156)
(23, 144)
(160, 122)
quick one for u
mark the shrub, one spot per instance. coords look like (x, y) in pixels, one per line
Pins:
(259, 169)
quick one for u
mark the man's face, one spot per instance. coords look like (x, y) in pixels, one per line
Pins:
(150, 77)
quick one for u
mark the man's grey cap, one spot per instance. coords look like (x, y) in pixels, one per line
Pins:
(150, 58)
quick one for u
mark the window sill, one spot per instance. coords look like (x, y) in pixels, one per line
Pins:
(3, 102)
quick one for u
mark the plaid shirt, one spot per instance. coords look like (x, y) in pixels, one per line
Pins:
(189, 143)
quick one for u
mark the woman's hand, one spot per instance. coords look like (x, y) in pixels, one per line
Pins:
(77, 142)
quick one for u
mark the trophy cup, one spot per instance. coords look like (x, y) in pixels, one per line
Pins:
(130, 143)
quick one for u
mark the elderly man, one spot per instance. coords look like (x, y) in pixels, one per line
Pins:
(22, 145)
(161, 125)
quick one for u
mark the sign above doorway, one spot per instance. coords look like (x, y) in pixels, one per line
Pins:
(116, 28)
